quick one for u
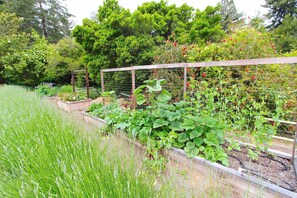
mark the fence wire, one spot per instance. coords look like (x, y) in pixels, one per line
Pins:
(235, 89)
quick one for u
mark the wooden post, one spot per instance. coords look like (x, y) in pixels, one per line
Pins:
(73, 81)
(133, 89)
(87, 83)
(294, 148)
(102, 81)
(102, 84)
(185, 81)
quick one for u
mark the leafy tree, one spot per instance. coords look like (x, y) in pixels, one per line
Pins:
(286, 34)
(258, 22)
(48, 17)
(206, 26)
(119, 38)
(230, 15)
(9, 23)
(63, 57)
(23, 58)
(279, 9)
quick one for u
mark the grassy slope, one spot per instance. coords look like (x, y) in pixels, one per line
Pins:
(42, 154)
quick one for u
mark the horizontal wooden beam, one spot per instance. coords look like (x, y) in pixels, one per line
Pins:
(261, 61)
(281, 121)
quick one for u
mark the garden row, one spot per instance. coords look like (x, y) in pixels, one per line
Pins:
(199, 129)
(196, 127)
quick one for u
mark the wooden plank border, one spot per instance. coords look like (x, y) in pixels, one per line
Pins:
(260, 61)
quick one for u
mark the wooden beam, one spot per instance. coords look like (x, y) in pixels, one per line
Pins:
(261, 61)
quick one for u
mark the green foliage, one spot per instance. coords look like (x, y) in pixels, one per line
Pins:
(44, 90)
(285, 35)
(230, 15)
(163, 125)
(119, 38)
(66, 93)
(246, 43)
(279, 9)
(23, 58)
(63, 57)
(47, 17)
(9, 24)
(46, 154)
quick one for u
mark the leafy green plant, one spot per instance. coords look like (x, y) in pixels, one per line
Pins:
(160, 124)
(44, 90)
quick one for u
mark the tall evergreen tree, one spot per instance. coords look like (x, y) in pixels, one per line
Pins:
(48, 17)
(229, 13)
(279, 9)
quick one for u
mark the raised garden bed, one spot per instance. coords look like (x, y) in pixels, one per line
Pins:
(254, 178)
(75, 105)
(53, 100)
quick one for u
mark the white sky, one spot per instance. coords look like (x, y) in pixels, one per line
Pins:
(84, 8)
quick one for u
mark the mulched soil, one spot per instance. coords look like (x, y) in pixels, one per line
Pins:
(270, 168)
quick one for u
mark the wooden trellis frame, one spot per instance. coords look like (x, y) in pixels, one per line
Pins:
(261, 61)
(86, 78)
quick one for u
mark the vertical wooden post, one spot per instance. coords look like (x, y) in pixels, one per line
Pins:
(102, 84)
(133, 89)
(87, 83)
(102, 81)
(294, 148)
(185, 81)
(73, 81)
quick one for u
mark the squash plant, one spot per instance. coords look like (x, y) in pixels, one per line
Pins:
(177, 124)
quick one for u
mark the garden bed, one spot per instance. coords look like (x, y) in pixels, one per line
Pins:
(53, 100)
(235, 175)
(75, 105)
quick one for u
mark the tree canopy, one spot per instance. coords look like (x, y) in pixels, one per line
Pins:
(119, 38)
(229, 13)
(279, 9)
(47, 17)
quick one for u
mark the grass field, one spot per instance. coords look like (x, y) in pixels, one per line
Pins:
(44, 154)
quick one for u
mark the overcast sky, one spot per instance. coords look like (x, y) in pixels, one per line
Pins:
(84, 8)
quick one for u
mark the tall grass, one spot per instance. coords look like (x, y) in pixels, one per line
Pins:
(43, 154)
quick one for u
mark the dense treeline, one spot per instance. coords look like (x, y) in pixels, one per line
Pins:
(35, 44)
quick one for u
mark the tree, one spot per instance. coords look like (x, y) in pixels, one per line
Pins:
(119, 38)
(48, 17)
(258, 22)
(206, 26)
(63, 57)
(286, 34)
(9, 23)
(23, 58)
(229, 14)
(279, 9)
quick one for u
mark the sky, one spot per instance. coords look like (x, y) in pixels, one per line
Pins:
(84, 8)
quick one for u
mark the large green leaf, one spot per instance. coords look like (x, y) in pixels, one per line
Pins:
(156, 88)
(140, 99)
(160, 122)
(198, 141)
(139, 89)
(211, 139)
(173, 115)
(188, 124)
(197, 132)
(191, 150)
(164, 97)
(175, 125)
(183, 137)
